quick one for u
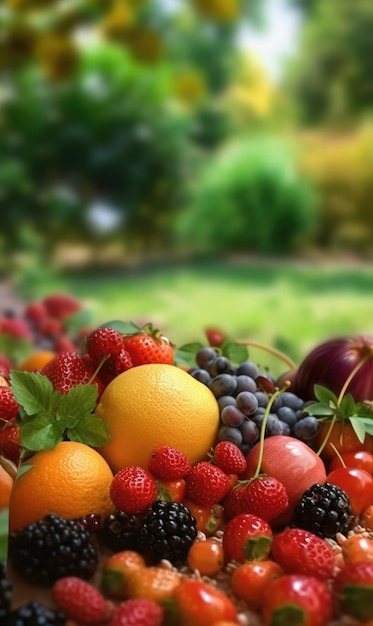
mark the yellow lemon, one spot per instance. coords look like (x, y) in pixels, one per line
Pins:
(152, 405)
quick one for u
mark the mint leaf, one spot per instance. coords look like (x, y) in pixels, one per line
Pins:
(33, 391)
(91, 430)
(40, 433)
(80, 399)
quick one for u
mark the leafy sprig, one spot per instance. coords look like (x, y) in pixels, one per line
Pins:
(330, 408)
(48, 416)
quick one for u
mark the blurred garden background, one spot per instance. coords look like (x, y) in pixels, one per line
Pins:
(192, 162)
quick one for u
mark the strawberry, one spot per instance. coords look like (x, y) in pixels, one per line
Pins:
(68, 369)
(5, 366)
(16, 327)
(353, 585)
(264, 496)
(229, 457)
(138, 612)
(35, 312)
(207, 484)
(297, 599)
(103, 343)
(233, 502)
(168, 463)
(149, 346)
(215, 336)
(300, 551)
(247, 538)
(8, 406)
(80, 601)
(10, 443)
(133, 489)
(61, 305)
(50, 327)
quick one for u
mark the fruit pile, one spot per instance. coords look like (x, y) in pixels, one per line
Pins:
(165, 486)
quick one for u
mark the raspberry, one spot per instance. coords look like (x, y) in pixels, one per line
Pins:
(80, 600)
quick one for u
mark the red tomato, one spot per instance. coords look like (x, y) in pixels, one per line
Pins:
(360, 459)
(250, 580)
(358, 485)
(201, 604)
(246, 538)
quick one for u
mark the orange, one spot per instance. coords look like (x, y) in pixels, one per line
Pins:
(36, 361)
(70, 480)
(6, 484)
(153, 405)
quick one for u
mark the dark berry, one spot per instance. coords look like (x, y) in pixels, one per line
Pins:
(167, 532)
(5, 593)
(36, 614)
(120, 531)
(52, 548)
(324, 509)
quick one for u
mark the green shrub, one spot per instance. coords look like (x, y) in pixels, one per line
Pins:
(251, 198)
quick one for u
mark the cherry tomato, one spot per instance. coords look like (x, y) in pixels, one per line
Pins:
(357, 548)
(171, 490)
(246, 538)
(360, 459)
(343, 438)
(358, 485)
(206, 556)
(366, 518)
(250, 580)
(209, 518)
(202, 604)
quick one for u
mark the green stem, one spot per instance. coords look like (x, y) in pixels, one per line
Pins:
(351, 376)
(273, 351)
(326, 438)
(263, 426)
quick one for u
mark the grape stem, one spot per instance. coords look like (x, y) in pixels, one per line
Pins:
(273, 351)
(263, 426)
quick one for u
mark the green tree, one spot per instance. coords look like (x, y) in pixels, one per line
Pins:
(331, 79)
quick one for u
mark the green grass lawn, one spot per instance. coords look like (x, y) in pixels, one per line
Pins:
(290, 306)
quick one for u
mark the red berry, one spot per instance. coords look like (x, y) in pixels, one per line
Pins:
(122, 362)
(10, 443)
(133, 489)
(61, 305)
(104, 343)
(35, 312)
(300, 551)
(51, 327)
(138, 612)
(297, 599)
(200, 603)
(68, 369)
(229, 457)
(149, 346)
(8, 405)
(207, 484)
(246, 538)
(80, 600)
(215, 336)
(16, 328)
(168, 463)
(354, 589)
(5, 366)
(265, 496)
(233, 502)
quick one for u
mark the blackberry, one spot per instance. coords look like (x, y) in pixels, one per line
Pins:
(36, 614)
(167, 532)
(5, 592)
(324, 510)
(52, 548)
(120, 531)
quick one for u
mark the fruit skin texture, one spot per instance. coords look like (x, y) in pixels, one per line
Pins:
(144, 348)
(246, 538)
(265, 497)
(357, 483)
(154, 405)
(8, 405)
(68, 369)
(137, 613)
(6, 485)
(133, 489)
(79, 600)
(167, 463)
(295, 596)
(293, 463)
(299, 551)
(70, 480)
(250, 580)
(116, 571)
(201, 604)
(354, 588)
(206, 484)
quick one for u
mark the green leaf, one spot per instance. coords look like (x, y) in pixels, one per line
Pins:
(359, 428)
(325, 396)
(368, 425)
(318, 409)
(40, 433)
(14, 348)
(33, 391)
(123, 327)
(81, 399)
(186, 354)
(77, 321)
(90, 430)
(235, 353)
(347, 405)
